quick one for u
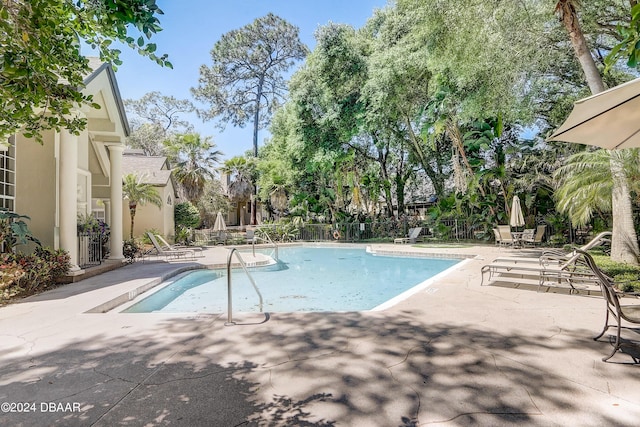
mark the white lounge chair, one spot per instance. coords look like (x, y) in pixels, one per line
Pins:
(168, 246)
(411, 236)
(553, 266)
(169, 253)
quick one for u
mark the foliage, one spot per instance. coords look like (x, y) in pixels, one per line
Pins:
(280, 232)
(626, 276)
(629, 46)
(241, 173)
(183, 234)
(131, 249)
(25, 274)
(88, 223)
(161, 110)
(419, 102)
(42, 67)
(213, 200)
(186, 215)
(155, 118)
(194, 159)
(14, 231)
(137, 192)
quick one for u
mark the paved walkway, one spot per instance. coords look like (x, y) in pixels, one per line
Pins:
(456, 353)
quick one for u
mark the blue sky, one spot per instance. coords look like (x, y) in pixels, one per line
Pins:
(191, 28)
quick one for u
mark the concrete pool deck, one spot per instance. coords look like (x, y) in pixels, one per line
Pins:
(456, 353)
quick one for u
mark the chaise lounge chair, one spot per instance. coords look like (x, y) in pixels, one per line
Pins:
(620, 306)
(411, 236)
(166, 245)
(169, 253)
(553, 266)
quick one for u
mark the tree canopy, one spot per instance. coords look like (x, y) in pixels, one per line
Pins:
(42, 69)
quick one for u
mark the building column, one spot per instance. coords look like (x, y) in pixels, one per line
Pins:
(115, 159)
(107, 211)
(68, 213)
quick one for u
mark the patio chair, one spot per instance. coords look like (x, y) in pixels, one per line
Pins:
(506, 239)
(166, 245)
(168, 253)
(534, 239)
(497, 237)
(411, 236)
(620, 306)
(250, 237)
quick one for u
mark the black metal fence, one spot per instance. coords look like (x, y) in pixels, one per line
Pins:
(92, 248)
(450, 230)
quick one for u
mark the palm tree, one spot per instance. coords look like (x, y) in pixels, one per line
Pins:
(195, 160)
(587, 183)
(137, 192)
(241, 173)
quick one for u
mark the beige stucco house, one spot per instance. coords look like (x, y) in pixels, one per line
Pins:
(153, 170)
(72, 174)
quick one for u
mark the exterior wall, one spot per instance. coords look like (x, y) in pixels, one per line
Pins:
(150, 216)
(169, 200)
(36, 190)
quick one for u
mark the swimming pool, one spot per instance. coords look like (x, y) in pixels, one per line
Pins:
(304, 279)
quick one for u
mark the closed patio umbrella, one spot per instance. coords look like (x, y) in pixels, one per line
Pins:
(517, 219)
(219, 224)
(609, 119)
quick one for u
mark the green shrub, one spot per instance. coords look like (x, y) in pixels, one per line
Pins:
(130, 249)
(626, 276)
(627, 282)
(145, 237)
(30, 273)
(186, 215)
(58, 261)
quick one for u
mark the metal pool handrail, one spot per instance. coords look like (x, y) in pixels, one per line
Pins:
(268, 240)
(230, 321)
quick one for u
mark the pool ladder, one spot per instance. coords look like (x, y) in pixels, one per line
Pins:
(230, 321)
(268, 240)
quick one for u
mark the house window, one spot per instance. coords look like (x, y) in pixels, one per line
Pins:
(169, 200)
(8, 176)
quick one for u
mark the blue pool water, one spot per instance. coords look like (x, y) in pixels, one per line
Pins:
(305, 279)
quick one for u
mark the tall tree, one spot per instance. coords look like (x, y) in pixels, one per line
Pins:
(163, 110)
(42, 70)
(195, 159)
(138, 193)
(154, 118)
(245, 82)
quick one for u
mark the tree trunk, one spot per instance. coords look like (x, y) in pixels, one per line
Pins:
(256, 125)
(569, 18)
(132, 214)
(624, 242)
